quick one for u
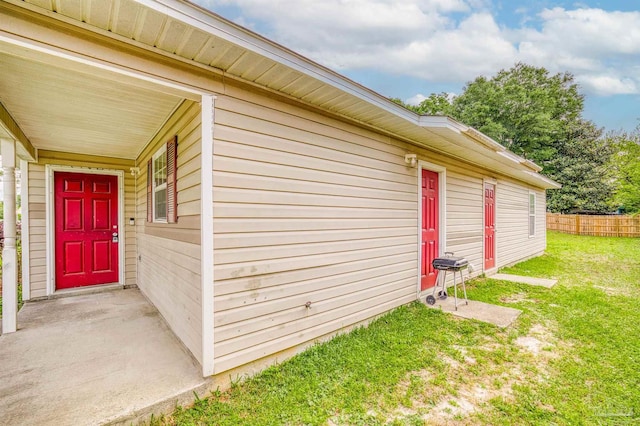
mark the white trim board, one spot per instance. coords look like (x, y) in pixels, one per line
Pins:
(26, 238)
(170, 87)
(50, 218)
(206, 234)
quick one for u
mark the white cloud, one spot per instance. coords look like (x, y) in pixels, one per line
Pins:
(453, 41)
(415, 99)
(601, 48)
(607, 85)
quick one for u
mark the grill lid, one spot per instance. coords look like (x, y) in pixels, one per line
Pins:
(450, 262)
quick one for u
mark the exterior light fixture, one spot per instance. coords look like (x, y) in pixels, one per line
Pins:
(411, 159)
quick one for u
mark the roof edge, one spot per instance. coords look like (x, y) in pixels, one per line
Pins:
(210, 22)
(442, 121)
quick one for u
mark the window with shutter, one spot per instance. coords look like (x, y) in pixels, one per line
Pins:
(162, 169)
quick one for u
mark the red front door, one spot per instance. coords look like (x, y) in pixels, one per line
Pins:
(86, 219)
(429, 228)
(489, 226)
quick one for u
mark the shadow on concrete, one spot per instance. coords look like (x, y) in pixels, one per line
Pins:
(105, 358)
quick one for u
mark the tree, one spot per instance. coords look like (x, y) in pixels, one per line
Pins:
(625, 164)
(436, 104)
(582, 164)
(538, 116)
(524, 108)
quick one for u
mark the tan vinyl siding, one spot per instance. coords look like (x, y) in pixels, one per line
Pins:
(464, 233)
(465, 215)
(37, 231)
(37, 212)
(512, 223)
(169, 276)
(306, 209)
(169, 254)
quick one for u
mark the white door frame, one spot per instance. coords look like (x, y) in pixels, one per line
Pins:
(442, 211)
(50, 169)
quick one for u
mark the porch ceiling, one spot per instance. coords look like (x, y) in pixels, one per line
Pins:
(63, 109)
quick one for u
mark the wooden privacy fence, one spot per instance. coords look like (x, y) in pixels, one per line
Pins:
(599, 226)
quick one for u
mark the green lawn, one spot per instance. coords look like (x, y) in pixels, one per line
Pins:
(572, 358)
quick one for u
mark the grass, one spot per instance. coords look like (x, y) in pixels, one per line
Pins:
(572, 357)
(417, 365)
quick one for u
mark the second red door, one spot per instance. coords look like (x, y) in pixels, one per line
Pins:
(429, 228)
(489, 226)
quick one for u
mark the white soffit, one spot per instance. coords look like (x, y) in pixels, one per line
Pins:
(185, 31)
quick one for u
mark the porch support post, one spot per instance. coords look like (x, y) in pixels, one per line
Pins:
(9, 257)
(206, 229)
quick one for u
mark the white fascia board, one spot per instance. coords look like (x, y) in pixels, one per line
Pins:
(207, 21)
(457, 127)
(548, 183)
(533, 166)
(438, 121)
(492, 150)
(510, 156)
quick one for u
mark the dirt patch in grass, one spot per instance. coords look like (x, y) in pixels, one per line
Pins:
(474, 377)
(514, 298)
(539, 341)
(614, 291)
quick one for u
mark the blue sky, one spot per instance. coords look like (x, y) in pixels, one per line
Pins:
(411, 48)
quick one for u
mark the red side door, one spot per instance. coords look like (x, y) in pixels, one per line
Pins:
(86, 219)
(489, 226)
(429, 228)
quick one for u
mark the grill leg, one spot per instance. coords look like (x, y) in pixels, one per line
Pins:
(455, 291)
(464, 288)
(438, 281)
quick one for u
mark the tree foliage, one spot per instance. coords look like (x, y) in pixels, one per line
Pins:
(524, 108)
(625, 169)
(538, 115)
(436, 104)
(582, 164)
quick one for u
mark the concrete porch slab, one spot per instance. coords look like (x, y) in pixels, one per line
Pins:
(543, 282)
(500, 316)
(106, 358)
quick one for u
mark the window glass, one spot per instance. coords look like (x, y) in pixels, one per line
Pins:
(532, 214)
(160, 185)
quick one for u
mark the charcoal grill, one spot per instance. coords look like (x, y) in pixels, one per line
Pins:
(448, 263)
